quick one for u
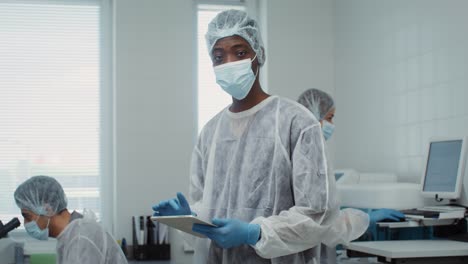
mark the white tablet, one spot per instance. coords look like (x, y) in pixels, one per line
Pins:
(182, 222)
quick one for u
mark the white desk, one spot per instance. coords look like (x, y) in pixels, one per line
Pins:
(414, 251)
(418, 223)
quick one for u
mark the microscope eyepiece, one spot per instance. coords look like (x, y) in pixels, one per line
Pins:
(5, 229)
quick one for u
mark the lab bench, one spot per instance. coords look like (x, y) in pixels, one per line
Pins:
(427, 251)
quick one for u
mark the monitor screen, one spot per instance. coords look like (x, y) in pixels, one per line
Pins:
(442, 166)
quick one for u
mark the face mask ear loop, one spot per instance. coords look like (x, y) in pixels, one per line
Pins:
(258, 66)
(254, 57)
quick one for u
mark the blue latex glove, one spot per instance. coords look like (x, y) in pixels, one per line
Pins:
(385, 214)
(230, 233)
(176, 206)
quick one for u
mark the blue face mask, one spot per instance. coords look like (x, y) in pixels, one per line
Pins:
(33, 230)
(327, 129)
(236, 78)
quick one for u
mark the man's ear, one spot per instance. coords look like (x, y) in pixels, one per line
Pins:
(48, 210)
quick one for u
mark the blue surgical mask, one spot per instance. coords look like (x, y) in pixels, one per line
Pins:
(236, 78)
(327, 129)
(33, 230)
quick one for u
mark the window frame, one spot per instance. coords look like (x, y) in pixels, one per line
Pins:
(108, 131)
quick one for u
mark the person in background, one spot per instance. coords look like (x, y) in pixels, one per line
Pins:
(259, 169)
(323, 108)
(80, 239)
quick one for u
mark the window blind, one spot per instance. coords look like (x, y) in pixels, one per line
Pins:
(50, 111)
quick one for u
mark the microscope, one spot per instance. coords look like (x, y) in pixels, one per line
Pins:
(5, 229)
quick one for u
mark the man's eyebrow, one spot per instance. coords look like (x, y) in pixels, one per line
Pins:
(235, 46)
(218, 49)
(240, 45)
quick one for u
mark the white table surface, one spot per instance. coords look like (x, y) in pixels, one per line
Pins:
(411, 248)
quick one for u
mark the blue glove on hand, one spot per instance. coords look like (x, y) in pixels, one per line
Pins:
(230, 233)
(385, 214)
(176, 206)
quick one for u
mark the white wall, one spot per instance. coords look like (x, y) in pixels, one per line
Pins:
(155, 107)
(400, 78)
(299, 41)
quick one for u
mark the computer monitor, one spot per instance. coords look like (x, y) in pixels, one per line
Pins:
(445, 168)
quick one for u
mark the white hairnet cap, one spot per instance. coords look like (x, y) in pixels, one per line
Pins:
(317, 101)
(42, 195)
(235, 23)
